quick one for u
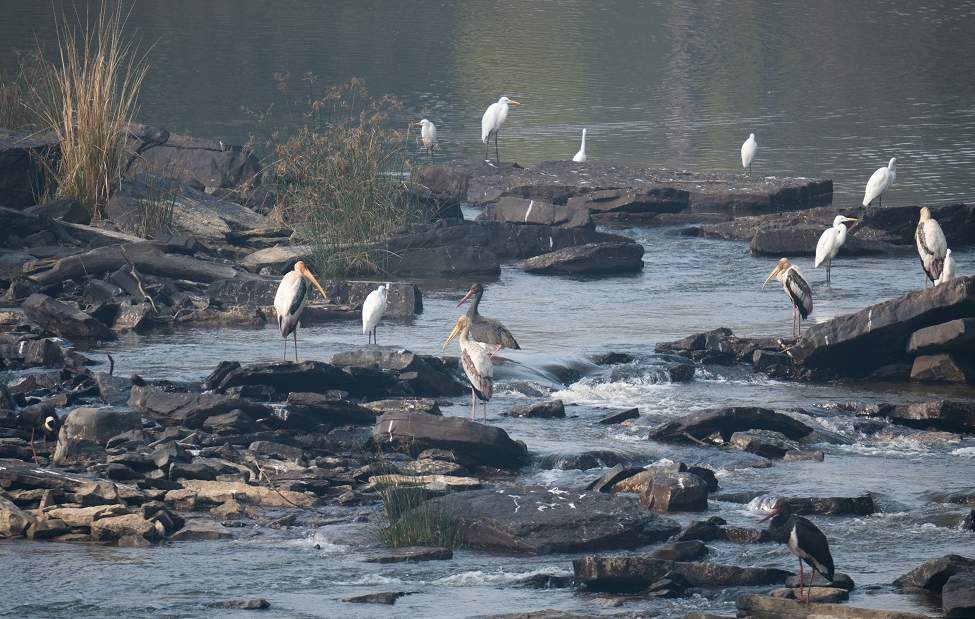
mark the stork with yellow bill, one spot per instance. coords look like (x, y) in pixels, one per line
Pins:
(796, 288)
(476, 362)
(289, 302)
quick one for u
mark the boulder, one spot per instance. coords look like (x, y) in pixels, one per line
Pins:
(384, 597)
(82, 517)
(538, 520)
(413, 554)
(947, 336)
(840, 581)
(114, 527)
(284, 377)
(13, 520)
(831, 506)
(944, 368)
(447, 185)
(405, 405)
(309, 410)
(933, 574)
(521, 211)
(98, 424)
(801, 241)
(767, 607)
(613, 476)
(190, 409)
(718, 346)
(22, 173)
(597, 458)
(62, 319)
(587, 259)
(632, 573)
(949, 415)
(855, 345)
(726, 421)
(544, 410)
(620, 417)
(958, 596)
(424, 375)
(202, 530)
(766, 443)
(676, 492)
(471, 442)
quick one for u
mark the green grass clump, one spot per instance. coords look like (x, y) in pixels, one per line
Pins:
(410, 520)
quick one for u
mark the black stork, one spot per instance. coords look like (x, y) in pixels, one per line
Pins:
(486, 330)
(796, 287)
(43, 420)
(804, 540)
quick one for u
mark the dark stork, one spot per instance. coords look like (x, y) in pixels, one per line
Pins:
(43, 420)
(804, 540)
(289, 302)
(487, 330)
(932, 246)
(476, 362)
(796, 287)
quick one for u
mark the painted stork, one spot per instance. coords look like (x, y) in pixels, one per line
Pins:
(289, 302)
(494, 116)
(932, 246)
(373, 309)
(487, 330)
(580, 157)
(748, 150)
(428, 135)
(476, 363)
(948, 272)
(880, 181)
(830, 242)
(796, 288)
(804, 540)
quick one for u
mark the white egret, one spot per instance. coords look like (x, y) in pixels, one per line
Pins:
(373, 309)
(830, 242)
(289, 302)
(494, 117)
(948, 272)
(580, 157)
(932, 246)
(476, 363)
(796, 288)
(428, 135)
(880, 181)
(748, 150)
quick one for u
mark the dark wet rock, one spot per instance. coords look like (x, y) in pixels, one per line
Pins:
(707, 475)
(119, 472)
(613, 358)
(681, 551)
(284, 377)
(613, 476)
(768, 607)
(947, 336)
(405, 405)
(276, 450)
(633, 573)
(189, 409)
(472, 442)
(418, 375)
(413, 554)
(582, 461)
(949, 415)
(726, 421)
(98, 424)
(934, 573)
(193, 470)
(591, 258)
(233, 422)
(718, 346)
(944, 368)
(447, 186)
(547, 581)
(544, 410)
(676, 492)
(772, 362)
(969, 523)
(620, 417)
(857, 344)
(13, 520)
(385, 597)
(831, 506)
(22, 172)
(766, 443)
(958, 596)
(62, 319)
(522, 211)
(342, 297)
(252, 604)
(804, 455)
(309, 410)
(538, 520)
(169, 453)
(775, 240)
(840, 581)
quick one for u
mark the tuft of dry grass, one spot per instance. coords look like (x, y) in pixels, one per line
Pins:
(94, 84)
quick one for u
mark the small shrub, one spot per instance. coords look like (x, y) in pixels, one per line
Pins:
(410, 520)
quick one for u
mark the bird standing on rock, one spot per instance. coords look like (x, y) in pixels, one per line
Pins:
(796, 288)
(43, 420)
(373, 309)
(880, 181)
(932, 246)
(748, 150)
(494, 116)
(289, 302)
(476, 362)
(804, 540)
(830, 243)
(948, 272)
(486, 330)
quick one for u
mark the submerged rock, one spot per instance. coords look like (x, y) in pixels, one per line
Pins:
(522, 211)
(609, 258)
(386, 597)
(620, 417)
(727, 421)
(934, 573)
(552, 408)
(413, 554)
(633, 573)
(958, 596)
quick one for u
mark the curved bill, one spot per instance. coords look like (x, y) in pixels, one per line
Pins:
(452, 335)
(774, 272)
(311, 278)
(469, 294)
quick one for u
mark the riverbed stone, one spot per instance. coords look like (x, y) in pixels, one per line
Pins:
(766, 443)
(384, 597)
(62, 319)
(413, 554)
(187, 409)
(676, 492)
(949, 415)
(201, 530)
(592, 258)
(934, 573)
(620, 417)
(958, 596)
(726, 421)
(521, 211)
(99, 424)
(544, 410)
(13, 520)
(765, 606)
(613, 476)
(221, 491)
(22, 168)
(952, 335)
(633, 573)
(309, 410)
(943, 368)
(840, 580)
(114, 527)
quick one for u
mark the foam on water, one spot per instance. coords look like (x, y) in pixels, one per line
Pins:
(476, 578)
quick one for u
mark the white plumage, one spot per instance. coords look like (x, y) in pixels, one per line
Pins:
(580, 157)
(373, 309)
(476, 362)
(880, 181)
(428, 135)
(748, 150)
(948, 272)
(932, 247)
(830, 242)
(492, 120)
(289, 302)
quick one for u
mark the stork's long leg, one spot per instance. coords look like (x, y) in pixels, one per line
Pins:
(800, 580)
(375, 337)
(497, 153)
(473, 405)
(296, 344)
(36, 461)
(286, 348)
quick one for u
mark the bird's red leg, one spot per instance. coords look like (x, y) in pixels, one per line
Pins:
(32, 450)
(296, 344)
(496, 350)
(801, 579)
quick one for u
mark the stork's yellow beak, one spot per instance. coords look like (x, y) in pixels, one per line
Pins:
(513, 102)
(311, 278)
(774, 272)
(453, 334)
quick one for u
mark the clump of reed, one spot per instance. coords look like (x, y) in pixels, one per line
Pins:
(409, 519)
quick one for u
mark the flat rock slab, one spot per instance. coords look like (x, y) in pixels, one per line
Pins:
(536, 212)
(726, 421)
(622, 574)
(952, 335)
(430, 482)
(934, 573)
(802, 240)
(62, 319)
(538, 520)
(385, 597)
(766, 607)
(592, 258)
(413, 554)
(949, 415)
(219, 492)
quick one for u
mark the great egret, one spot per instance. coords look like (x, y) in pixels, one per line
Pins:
(804, 540)
(830, 242)
(494, 117)
(289, 302)
(428, 135)
(580, 157)
(748, 150)
(932, 246)
(373, 309)
(948, 272)
(476, 363)
(880, 181)
(796, 288)
(486, 330)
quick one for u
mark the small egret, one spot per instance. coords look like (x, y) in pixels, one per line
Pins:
(476, 363)
(880, 181)
(289, 302)
(428, 135)
(948, 272)
(830, 242)
(580, 157)
(491, 122)
(373, 309)
(796, 288)
(748, 150)
(804, 540)
(932, 246)
(486, 330)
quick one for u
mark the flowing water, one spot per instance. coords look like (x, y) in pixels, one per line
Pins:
(830, 89)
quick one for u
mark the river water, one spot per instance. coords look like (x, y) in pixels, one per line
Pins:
(830, 88)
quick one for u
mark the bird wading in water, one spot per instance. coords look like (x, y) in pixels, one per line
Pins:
(830, 242)
(486, 330)
(804, 540)
(476, 362)
(796, 289)
(373, 309)
(748, 150)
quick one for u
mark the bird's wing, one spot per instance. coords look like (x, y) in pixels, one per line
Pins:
(814, 543)
(825, 245)
(433, 134)
(931, 247)
(291, 293)
(875, 186)
(747, 152)
(489, 120)
(800, 292)
(372, 310)
(492, 332)
(479, 369)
